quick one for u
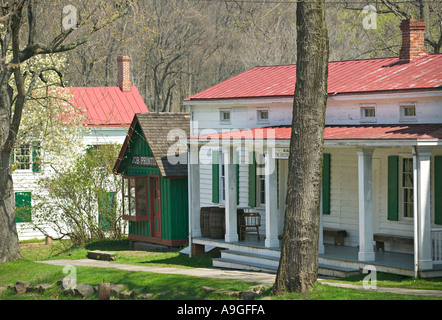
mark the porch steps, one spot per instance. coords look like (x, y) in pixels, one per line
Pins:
(231, 259)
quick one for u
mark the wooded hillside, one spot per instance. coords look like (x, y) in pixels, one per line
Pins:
(180, 47)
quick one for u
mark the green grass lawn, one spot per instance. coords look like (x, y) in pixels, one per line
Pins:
(177, 286)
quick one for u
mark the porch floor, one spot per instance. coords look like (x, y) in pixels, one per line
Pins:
(343, 256)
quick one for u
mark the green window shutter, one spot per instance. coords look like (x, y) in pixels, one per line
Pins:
(252, 181)
(393, 188)
(36, 156)
(438, 190)
(23, 206)
(215, 176)
(326, 184)
(107, 210)
(237, 177)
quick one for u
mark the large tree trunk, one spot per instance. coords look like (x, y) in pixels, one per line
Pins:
(298, 266)
(9, 246)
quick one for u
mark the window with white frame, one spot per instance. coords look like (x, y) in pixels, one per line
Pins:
(224, 116)
(263, 115)
(23, 156)
(27, 156)
(368, 113)
(406, 188)
(408, 112)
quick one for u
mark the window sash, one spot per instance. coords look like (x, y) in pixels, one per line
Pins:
(406, 184)
(23, 157)
(135, 205)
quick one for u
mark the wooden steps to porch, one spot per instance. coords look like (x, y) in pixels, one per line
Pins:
(231, 259)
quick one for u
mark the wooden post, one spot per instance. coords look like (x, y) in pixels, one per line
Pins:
(48, 240)
(104, 291)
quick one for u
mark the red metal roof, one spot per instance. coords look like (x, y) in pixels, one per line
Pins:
(341, 132)
(108, 106)
(353, 76)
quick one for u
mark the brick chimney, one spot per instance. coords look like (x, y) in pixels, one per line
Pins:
(124, 73)
(412, 40)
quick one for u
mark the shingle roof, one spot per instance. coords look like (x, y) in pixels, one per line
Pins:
(155, 128)
(353, 76)
(108, 106)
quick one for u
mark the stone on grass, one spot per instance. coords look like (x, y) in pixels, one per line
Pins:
(20, 287)
(115, 289)
(259, 288)
(250, 295)
(30, 288)
(207, 290)
(41, 288)
(83, 290)
(229, 293)
(163, 294)
(145, 296)
(123, 295)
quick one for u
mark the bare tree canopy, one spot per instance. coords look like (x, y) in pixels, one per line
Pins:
(23, 36)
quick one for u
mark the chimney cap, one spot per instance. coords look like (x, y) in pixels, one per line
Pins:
(123, 58)
(413, 23)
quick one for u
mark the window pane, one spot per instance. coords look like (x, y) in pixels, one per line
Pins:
(410, 111)
(263, 115)
(23, 157)
(262, 190)
(141, 196)
(369, 112)
(132, 208)
(225, 115)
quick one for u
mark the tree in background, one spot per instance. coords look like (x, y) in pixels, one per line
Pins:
(81, 201)
(298, 267)
(26, 36)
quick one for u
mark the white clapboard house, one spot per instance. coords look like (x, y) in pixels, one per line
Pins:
(382, 170)
(108, 112)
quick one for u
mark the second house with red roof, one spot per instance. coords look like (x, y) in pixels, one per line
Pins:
(108, 113)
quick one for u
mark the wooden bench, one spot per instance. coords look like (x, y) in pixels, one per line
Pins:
(337, 234)
(381, 238)
(100, 255)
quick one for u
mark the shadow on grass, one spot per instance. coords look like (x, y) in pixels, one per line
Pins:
(114, 245)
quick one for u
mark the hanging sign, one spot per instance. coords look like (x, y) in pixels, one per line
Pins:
(144, 161)
(282, 153)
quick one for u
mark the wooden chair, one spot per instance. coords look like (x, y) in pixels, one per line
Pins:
(247, 221)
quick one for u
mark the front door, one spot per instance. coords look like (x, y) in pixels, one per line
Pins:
(155, 206)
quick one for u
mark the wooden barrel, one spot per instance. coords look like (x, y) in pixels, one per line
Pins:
(204, 221)
(217, 223)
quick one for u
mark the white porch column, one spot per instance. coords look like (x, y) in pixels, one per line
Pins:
(423, 187)
(194, 192)
(271, 200)
(365, 179)
(230, 195)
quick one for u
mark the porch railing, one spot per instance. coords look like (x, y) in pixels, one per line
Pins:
(436, 240)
